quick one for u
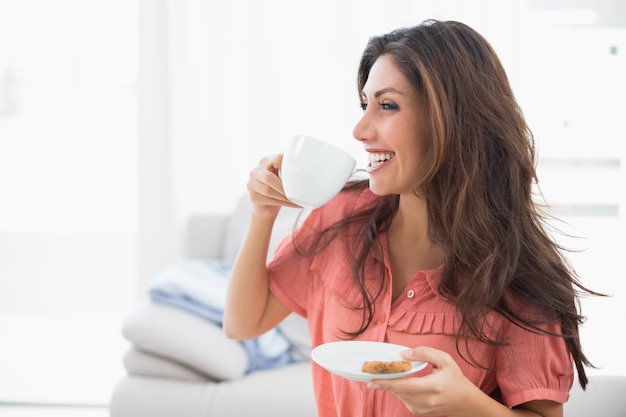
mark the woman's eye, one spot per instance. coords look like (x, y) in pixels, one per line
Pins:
(383, 106)
(388, 106)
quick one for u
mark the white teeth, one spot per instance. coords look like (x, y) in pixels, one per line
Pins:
(379, 157)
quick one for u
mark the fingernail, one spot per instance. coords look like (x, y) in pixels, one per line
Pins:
(373, 385)
(406, 353)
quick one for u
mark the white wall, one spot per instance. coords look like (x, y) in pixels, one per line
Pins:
(68, 180)
(68, 197)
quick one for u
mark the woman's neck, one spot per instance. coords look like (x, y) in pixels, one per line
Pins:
(410, 222)
(410, 249)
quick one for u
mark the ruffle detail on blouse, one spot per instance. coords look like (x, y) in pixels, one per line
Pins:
(419, 322)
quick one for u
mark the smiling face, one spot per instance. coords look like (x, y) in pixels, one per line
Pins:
(393, 129)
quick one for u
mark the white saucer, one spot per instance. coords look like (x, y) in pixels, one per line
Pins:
(346, 358)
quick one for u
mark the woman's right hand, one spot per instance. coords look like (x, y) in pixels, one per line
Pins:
(266, 188)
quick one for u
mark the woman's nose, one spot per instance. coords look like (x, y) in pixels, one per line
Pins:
(362, 131)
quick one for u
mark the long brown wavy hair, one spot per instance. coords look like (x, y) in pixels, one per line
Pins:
(477, 178)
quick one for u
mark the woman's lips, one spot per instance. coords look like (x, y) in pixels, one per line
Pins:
(378, 159)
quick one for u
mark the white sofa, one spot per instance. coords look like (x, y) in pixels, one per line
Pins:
(181, 365)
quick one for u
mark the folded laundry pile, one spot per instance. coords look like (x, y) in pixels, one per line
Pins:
(199, 287)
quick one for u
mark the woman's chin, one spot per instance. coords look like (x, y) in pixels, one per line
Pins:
(379, 189)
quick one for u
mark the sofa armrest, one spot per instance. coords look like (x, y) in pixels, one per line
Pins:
(205, 236)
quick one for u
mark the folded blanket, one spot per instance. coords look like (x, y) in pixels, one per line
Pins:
(199, 287)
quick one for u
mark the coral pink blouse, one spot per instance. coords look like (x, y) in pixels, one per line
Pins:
(320, 288)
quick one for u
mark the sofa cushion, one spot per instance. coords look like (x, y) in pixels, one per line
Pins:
(187, 339)
(283, 392)
(139, 362)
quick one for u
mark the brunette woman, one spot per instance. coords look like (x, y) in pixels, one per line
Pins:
(443, 249)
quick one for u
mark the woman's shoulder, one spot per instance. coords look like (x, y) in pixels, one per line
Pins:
(352, 199)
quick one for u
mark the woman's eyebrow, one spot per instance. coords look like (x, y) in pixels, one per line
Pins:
(387, 90)
(380, 92)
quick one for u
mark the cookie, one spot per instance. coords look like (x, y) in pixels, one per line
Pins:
(385, 367)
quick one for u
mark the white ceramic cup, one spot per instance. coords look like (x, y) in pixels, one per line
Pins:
(314, 171)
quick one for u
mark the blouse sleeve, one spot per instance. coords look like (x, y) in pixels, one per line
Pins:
(289, 277)
(290, 271)
(291, 274)
(534, 366)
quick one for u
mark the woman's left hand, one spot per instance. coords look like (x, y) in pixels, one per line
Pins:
(446, 391)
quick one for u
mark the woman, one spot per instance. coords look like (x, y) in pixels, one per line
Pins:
(442, 249)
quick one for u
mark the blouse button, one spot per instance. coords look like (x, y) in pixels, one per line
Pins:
(382, 319)
(410, 294)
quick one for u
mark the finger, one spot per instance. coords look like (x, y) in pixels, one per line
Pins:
(279, 161)
(272, 163)
(400, 385)
(269, 185)
(265, 186)
(435, 357)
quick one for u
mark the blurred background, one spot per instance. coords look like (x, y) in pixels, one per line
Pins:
(120, 119)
